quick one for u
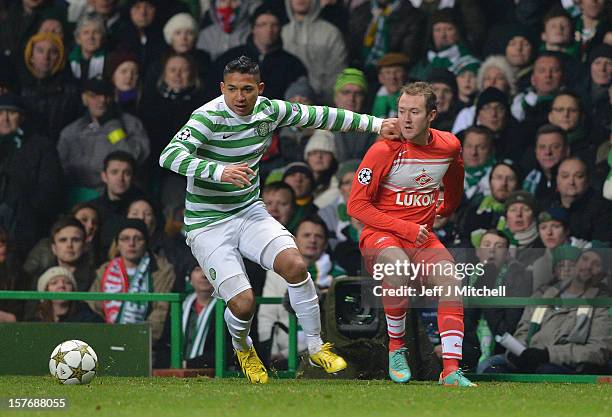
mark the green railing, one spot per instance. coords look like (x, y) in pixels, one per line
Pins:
(175, 300)
(220, 365)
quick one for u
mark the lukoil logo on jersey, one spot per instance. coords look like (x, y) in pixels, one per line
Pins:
(415, 200)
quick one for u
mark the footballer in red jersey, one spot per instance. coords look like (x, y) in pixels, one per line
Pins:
(395, 194)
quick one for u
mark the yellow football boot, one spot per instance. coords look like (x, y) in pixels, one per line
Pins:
(252, 367)
(328, 360)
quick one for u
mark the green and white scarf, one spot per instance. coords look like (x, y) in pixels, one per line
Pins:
(196, 326)
(376, 39)
(447, 57)
(96, 63)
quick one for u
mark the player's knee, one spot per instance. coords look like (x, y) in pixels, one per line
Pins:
(291, 266)
(243, 305)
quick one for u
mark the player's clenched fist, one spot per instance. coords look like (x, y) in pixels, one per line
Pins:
(390, 128)
(237, 175)
(422, 236)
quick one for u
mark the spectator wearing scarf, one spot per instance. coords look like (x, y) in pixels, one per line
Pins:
(479, 159)
(134, 270)
(197, 321)
(88, 58)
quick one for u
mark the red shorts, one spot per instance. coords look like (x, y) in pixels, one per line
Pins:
(431, 251)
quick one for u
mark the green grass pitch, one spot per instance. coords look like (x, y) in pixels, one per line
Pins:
(144, 397)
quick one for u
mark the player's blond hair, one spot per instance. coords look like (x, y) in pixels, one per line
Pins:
(421, 88)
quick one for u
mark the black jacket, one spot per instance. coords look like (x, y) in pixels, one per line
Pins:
(590, 217)
(53, 102)
(31, 193)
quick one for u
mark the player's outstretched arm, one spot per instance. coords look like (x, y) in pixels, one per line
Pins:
(331, 118)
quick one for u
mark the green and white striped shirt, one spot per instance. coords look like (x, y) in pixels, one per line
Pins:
(215, 137)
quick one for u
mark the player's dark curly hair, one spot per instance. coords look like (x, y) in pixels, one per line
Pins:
(242, 65)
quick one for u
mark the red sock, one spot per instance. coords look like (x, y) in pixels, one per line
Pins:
(450, 326)
(395, 313)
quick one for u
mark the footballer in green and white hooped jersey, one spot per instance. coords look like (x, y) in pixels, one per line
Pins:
(218, 150)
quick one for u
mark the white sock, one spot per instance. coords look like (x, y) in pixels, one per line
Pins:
(305, 303)
(239, 329)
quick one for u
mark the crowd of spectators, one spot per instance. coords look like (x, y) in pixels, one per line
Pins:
(92, 90)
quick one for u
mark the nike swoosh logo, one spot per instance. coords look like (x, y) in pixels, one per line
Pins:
(227, 136)
(458, 345)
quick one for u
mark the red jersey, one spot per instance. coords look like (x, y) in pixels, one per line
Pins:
(397, 185)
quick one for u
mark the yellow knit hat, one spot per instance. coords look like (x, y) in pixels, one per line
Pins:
(45, 36)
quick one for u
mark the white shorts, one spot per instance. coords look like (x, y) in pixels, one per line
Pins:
(219, 248)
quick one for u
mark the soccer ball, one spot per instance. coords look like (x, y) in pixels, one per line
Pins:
(73, 362)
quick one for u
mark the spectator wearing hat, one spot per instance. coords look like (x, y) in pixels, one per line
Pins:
(229, 28)
(335, 214)
(520, 218)
(123, 71)
(66, 247)
(492, 111)
(446, 46)
(590, 216)
(494, 72)
(554, 232)
(85, 143)
(293, 139)
(300, 178)
(378, 27)
(89, 56)
(518, 44)
(465, 71)
(350, 92)
(485, 211)
(478, 160)
(142, 32)
(551, 148)
(180, 34)
(48, 92)
(30, 177)
(391, 75)
(279, 68)
(320, 155)
(317, 43)
(60, 279)
(134, 269)
(531, 106)
(445, 87)
(564, 339)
